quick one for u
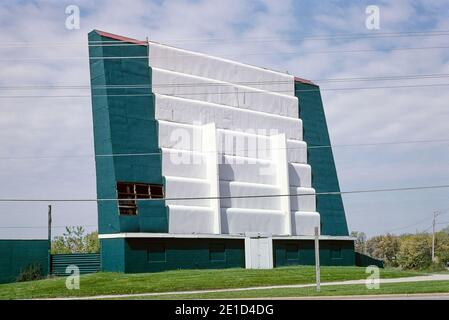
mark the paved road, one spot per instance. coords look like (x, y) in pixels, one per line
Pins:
(418, 296)
(433, 296)
(434, 277)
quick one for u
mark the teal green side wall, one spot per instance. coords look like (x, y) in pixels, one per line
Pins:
(124, 123)
(324, 173)
(362, 260)
(112, 254)
(153, 255)
(15, 255)
(294, 252)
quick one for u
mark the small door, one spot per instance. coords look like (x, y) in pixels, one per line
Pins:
(259, 253)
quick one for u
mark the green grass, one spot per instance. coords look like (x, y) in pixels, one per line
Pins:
(442, 272)
(117, 283)
(326, 291)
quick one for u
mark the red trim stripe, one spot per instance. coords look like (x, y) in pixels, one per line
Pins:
(120, 38)
(304, 81)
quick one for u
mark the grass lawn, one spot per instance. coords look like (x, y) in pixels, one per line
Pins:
(387, 288)
(117, 283)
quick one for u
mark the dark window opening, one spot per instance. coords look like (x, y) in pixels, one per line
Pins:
(292, 252)
(157, 252)
(336, 253)
(217, 252)
(129, 193)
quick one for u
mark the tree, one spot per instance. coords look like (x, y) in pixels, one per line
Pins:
(74, 240)
(415, 251)
(360, 242)
(385, 247)
(92, 242)
(410, 251)
(442, 247)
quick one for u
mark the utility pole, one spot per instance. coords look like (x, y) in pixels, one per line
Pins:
(49, 239)
(435, 215)
(317, 259)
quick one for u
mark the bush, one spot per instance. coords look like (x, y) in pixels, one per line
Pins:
(385, 247)
(442, 247)
(436, 267)
(410, 251)
(415, 252)
(30, 273)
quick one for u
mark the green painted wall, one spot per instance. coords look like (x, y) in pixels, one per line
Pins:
(112, 253)
(15, 255)
(153, 255)
(324, 173)
(124, 123)
(295, 252)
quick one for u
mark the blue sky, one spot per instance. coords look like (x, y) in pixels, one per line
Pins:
(264, 33)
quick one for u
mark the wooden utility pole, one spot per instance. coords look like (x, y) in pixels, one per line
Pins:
(317, 259)
(49, 239)
(435, 215)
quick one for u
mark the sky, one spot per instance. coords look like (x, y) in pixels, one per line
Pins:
(46, 144)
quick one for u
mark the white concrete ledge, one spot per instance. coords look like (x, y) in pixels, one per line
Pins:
(125, 235)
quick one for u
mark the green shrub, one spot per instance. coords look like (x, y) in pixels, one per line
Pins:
(31, 272)
(410, 251)
(442, 247)
(415, 252)
(436, 267)
(385, 247)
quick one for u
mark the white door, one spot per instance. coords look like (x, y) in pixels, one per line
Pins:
(258, 253)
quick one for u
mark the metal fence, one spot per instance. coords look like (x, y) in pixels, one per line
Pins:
(86, 262)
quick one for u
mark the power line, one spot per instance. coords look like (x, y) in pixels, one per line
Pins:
(232, 54)
(91, 226)
(222, 40)
(380, 143)
(42, 227)
(422, 221)
(328, 37)
(409, 226)
(238, 197)
(219, 84)
(230, 92)
(223, 154)
(382, 78)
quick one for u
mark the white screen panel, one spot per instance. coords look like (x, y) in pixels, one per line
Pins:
(304, 223)
(252, 220)
(188, 220)
(300, 175)
(199, 113)
(202, 65)
(197, 88)
(235, 189)
(305, 201)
